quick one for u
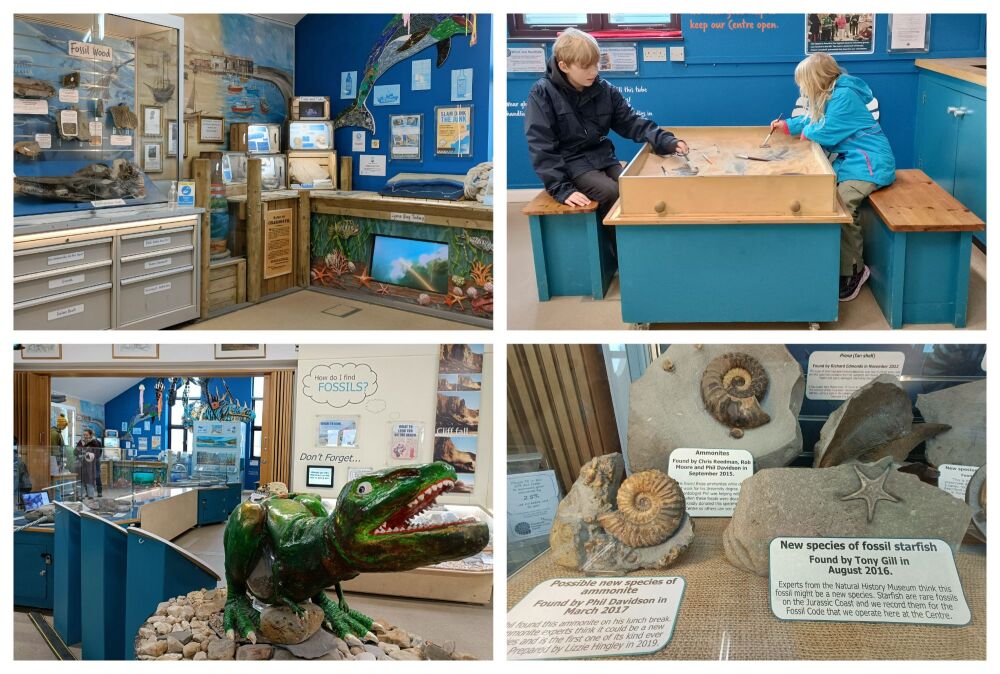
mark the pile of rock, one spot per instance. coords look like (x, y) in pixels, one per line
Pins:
(189, 627)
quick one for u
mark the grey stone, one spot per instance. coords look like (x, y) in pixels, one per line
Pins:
(336, 655)
(254, 652)
(152, 647)
(666, 410)
(434, 651)
(320, 643)
(174, 646)
(807, 502)
(357, 650)
(280, 624)
(579, 541)
(282, 654)
(404, 655)
(353, 641)
(341, 645)
(190, 649)
(221, 649)
(364, 656)
(388, 648)
(171, 656)
(963, 407)
(397, 636)
(200, 655)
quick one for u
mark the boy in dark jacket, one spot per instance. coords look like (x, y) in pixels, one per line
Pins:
(570, 112)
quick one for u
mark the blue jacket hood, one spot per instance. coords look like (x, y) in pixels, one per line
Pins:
(855, 84)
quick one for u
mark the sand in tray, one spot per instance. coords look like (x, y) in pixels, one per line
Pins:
(789, 156)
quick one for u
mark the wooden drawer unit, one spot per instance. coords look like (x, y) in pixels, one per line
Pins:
(61, 256)
(45, 284)
(152, 263)
(151, 297)
(155, 241)
(87, 309)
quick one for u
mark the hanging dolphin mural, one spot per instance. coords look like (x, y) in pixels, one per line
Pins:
(399, 42)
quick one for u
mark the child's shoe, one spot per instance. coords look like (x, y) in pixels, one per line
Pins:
(850, 286)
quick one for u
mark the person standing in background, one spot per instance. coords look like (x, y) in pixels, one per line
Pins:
(88, 455)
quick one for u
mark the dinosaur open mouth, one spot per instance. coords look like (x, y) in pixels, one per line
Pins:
(404, 520)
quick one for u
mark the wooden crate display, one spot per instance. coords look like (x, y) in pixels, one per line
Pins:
(227, 284)
(325, 161)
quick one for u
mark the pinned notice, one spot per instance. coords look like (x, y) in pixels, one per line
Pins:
(835, 375)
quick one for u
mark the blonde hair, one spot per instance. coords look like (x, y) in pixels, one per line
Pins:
(816, 76)
(574, 47)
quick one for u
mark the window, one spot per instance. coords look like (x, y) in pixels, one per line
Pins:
(550, 25)
(180, 437)
(258, 418)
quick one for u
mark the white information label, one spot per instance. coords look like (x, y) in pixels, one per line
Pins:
(371, 165)
(63, 258)
(66, 312)
(526, 60)
(31, 106)
(67, 281)
(156, 264)
(710, 478)
(588, 617)
(954, 478)
(96, 129)
(619, 59)
(158, 241)
(532, 499)
(44, 140)
(104, 203)
(69, 95)
(90, 51)
(119, 140)
(158, 288)
(408, 217)
(883, 580)
(835, 375)
(357, 141)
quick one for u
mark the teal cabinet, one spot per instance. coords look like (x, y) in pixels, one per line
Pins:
(951, 138)
(33, 577)
(212, 505)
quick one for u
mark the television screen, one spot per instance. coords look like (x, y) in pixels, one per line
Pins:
(111, 442)
(412, 263)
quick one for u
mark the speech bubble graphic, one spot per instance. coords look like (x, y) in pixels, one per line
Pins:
(340, 384)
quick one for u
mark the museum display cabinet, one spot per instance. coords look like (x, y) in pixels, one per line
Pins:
(831, 497)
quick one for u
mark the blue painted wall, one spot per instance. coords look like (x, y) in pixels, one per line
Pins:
(743, 77)
(328, 44)
(126, 405)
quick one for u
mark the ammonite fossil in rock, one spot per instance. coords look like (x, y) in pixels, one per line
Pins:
(732, 387)
(650, 509)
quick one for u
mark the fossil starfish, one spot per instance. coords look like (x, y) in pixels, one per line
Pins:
(871, 491)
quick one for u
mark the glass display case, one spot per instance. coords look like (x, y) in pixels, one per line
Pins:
(97, 111)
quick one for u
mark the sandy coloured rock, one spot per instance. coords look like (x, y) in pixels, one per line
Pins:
(280, 624)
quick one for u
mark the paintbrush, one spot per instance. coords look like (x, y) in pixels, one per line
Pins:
(768, 137)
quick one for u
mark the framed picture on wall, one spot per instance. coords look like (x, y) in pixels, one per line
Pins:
(240, 350)
(152, 157)
(337, 432)
(319, 476)
(173, 135)
(148, 351)
(407, 136)
(453, 130)
(41, 352)
(211, 129)
(152, 120)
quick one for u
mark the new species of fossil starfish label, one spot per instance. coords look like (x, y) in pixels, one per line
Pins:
(885, 580)
(594, 617)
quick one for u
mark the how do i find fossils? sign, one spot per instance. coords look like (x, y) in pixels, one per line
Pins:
(594, 617)
(883, 580)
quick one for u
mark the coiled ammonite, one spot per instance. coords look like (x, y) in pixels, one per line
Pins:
(732, 387)
(650, 509)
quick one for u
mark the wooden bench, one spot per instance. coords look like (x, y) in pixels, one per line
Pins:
(573, 252)
(918, 243)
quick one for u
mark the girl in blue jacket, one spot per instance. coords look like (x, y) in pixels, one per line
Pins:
(839, 120)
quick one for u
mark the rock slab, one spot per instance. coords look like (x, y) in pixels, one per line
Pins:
(807, 502)
(963, 407)
(579, 541)
(666, 410)
(280, 624)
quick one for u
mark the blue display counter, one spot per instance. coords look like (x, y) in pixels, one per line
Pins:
(103, 565)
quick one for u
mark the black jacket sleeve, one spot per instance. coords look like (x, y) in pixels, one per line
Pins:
(543, 146)
(628, 124)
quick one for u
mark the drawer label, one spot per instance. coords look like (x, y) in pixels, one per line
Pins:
(156, 264)
(63, 258)
(66, 312)
(105, 203)
(408, 217)
(67, 281)
(158, 241)
(158, 288)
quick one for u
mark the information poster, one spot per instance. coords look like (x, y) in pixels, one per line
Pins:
(217, 446)
(526, 60)
(840, 33)
(835, 375)
(954, 479)
(420, 75)
(453, 131)
(908, 33)
(337, 432)
(405, 440)
(371, 165)
(406, 133)
(357, 141)
(621, 58)
(461, 84)
(532, 499)
(349, 84)
(278, 243)
(594, 617)
(386, 94)
(456, 420)
(884, 580)
(710, 478)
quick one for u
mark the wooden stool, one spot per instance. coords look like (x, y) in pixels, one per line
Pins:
(572, 250)
(918, 243)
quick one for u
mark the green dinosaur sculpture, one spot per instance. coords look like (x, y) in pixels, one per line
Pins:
(288, 550)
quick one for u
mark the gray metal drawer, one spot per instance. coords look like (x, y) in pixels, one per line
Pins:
(51, 258)
(151, 263)
(149, 242)
(148, 296)
(88, 309)
(65, 280)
